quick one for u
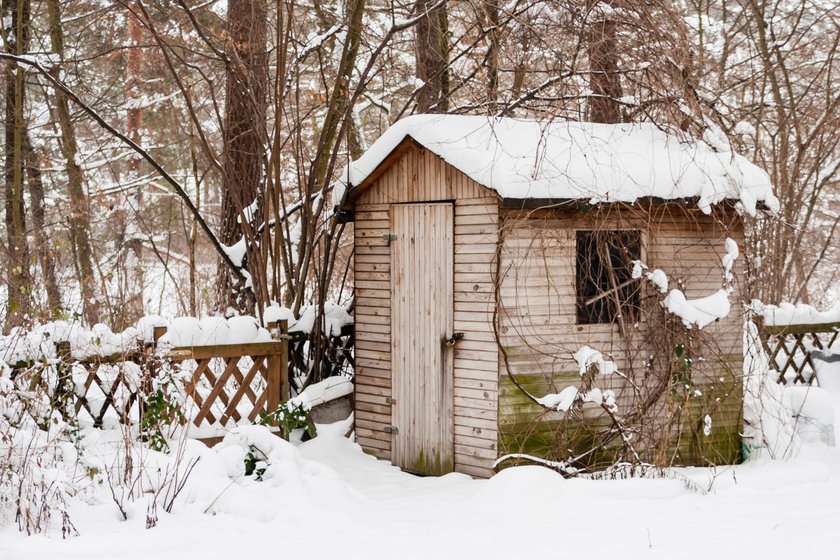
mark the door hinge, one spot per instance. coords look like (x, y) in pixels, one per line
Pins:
(389, 236)
(390, 430)
(389, 400)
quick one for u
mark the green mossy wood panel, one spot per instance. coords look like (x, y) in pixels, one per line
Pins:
(539, 334)
(525, 427)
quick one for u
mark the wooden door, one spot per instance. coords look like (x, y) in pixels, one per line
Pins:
(422, 316)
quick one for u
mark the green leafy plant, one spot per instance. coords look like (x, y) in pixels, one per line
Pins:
(681, 382)
(160, 412)
(254, 461)
(289, 416)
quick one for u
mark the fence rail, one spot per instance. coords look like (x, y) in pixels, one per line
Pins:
(222, 383)
(790, 348)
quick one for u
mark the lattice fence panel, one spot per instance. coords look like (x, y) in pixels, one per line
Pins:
(792, 349)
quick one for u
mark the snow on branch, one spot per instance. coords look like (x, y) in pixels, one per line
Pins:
(706, 310)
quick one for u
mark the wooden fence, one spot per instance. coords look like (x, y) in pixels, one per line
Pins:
(790, 348)
(223, 384)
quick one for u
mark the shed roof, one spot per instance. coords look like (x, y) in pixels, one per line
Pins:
(563, 160)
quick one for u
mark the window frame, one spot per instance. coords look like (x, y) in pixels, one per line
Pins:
(628, 308)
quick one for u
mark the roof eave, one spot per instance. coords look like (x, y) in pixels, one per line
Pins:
(402, 147)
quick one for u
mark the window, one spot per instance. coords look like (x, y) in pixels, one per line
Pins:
(606, 290)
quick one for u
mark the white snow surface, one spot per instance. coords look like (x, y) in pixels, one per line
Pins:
(522, 159)
(799, 314)
(335, 317)
(658, 278)
(39, 342)
(237, 251)
(324, 391)
(701, 311)
(326, 499)
(586, 356)
(728, 260)
(564, 400)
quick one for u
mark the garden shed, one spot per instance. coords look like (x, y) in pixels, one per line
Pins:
(497, 259)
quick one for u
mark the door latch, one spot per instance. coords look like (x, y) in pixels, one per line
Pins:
(390, 430)
(455, 338)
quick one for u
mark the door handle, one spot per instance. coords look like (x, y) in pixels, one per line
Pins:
(450, 342)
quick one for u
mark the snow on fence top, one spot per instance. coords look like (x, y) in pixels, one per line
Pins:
(799, 314)
(523, 159)
(40, 341)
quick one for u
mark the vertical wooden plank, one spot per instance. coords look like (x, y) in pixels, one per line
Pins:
(447, 308)
(273, 372)
(397, 343)
(285, 392)
(422, 301)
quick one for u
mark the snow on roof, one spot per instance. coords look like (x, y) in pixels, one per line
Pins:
(522, 159)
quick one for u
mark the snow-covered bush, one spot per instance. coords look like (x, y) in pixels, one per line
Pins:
(39, 452)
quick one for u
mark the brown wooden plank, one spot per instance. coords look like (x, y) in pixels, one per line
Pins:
(225, 351)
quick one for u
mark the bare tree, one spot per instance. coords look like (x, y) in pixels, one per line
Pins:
(244, 142)
(79, 215)
(432, 56)
(18, 282)
(604, 77)
(43, 242)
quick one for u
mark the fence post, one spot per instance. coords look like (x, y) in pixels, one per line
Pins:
(157, 333)
(65, 389)
(284, 361)
(278, 367)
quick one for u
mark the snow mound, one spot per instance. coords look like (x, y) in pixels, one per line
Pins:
(324, 391)
(40, 341)
(799, 314)
(522, 159)
(812, 410)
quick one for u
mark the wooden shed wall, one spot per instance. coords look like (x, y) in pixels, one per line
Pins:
(418, 175)
(539, 332)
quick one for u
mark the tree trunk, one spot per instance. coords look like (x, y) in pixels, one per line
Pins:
(491, 17)
(431, 41)
(130, 243)
(243, 136)
(43, 242)
(604, 79)
(79, 219)
(16, 12)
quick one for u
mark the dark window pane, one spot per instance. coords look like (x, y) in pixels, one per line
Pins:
(604, 266)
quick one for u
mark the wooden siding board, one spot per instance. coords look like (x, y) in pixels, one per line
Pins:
(417, 175)
(537, 312)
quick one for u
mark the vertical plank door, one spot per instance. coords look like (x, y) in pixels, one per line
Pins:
(422, 293)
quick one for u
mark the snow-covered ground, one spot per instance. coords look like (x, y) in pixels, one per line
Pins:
(326, 499)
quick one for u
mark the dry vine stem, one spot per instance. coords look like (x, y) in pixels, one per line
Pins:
(669, 377)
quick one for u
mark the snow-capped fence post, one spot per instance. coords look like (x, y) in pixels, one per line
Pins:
(64, 388)
(278, 366)
(158, 332)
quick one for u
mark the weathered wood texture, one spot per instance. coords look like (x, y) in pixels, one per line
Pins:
(226, 383)
(789, 348)
(420, 176)
(539, 333)
(421, 376)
